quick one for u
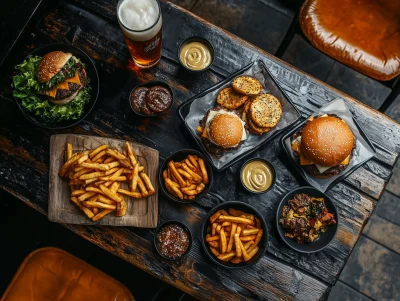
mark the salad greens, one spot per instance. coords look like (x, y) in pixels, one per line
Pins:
(27, 88)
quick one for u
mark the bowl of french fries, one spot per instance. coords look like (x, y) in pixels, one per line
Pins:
(185, 176)
(234, 235)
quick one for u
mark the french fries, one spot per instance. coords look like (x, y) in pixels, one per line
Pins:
(235, 236)
(95, 177)
(186, 179)
(69, 151)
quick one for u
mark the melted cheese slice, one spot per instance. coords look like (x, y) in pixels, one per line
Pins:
(296, 148)
(64, 85)
(212, 114)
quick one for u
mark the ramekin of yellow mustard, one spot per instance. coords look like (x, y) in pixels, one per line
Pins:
(257, 175)
(196, 54)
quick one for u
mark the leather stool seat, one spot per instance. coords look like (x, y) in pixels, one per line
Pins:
(53, 274)
(363, 34)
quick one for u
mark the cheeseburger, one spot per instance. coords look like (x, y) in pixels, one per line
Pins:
(324, 146)
(222, 130)
(62, 75)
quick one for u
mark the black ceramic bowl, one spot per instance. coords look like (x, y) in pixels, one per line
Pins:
(149, 85)
(272, 172)
(177, 157)
(262, 245)
(186, 228)
(324, 238)
(92, 76)
(201, 40)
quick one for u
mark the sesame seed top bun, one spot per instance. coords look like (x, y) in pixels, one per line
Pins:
(51, 64)
(226, 130)
(327, 141)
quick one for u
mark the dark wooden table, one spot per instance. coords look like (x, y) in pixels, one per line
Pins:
(282, 274)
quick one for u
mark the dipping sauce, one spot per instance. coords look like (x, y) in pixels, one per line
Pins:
(150, 101)
(195, 55)
(173, 241)
(257, 176)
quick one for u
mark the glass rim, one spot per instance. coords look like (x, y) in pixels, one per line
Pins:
(143, 30)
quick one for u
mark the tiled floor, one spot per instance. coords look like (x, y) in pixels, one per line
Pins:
(373, 270)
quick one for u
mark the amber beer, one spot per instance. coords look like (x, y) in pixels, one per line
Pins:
(141, 25)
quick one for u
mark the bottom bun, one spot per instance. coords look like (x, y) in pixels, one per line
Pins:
(333, 171)
(66, 100)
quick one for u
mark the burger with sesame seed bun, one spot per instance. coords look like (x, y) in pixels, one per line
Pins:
(62, 76)
(222, 130)
(324, 146)
(53, 87)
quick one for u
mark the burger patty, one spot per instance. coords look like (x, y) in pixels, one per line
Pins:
(208, 145)
(312, 169)
(62, 93)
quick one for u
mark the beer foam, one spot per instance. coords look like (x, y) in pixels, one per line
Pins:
(139, 15)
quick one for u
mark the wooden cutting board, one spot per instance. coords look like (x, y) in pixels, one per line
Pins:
(140, 212)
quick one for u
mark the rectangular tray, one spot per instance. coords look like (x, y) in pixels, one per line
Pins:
(301, 171)
(184, 109)
(140, 212)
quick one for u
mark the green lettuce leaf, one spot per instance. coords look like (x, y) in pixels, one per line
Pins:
(27, 88)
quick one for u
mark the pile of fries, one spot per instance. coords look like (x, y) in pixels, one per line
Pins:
(234, 236)
(96, 175)
(187, 178)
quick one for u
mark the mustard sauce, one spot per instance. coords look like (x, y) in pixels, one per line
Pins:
(195, 56)
(257, 176)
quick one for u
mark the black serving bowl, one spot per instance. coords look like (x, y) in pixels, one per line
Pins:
(187, 230)
(262, 244)
(203, 41)
(93, 81)
(324, 238)
(149, 85)
(177, 157)
(272, 172)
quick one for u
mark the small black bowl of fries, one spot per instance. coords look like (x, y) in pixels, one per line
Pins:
(185, 176)
(234, 235)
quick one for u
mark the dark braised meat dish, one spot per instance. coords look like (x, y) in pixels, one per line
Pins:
(305, 217)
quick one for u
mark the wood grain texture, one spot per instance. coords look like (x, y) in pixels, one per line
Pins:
(141, 213)
(91, 26)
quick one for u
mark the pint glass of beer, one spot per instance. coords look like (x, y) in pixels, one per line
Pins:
(141, 25)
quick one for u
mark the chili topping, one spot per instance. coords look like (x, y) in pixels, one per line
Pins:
(173, 241)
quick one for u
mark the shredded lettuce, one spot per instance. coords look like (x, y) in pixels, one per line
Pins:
(27, 88)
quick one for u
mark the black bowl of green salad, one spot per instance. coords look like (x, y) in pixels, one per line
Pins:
(56, 86)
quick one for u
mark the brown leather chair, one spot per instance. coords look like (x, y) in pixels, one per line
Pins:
(53, 274)
(363, 34)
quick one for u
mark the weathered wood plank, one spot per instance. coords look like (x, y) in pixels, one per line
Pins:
(109, 48)
(24, 149)
(195, 273)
